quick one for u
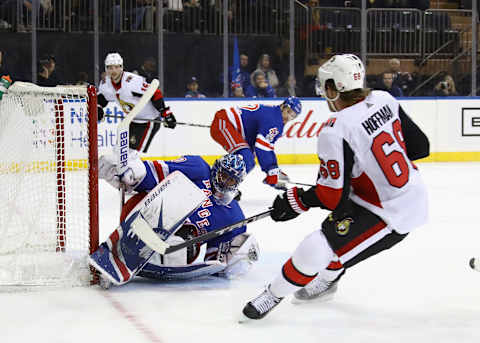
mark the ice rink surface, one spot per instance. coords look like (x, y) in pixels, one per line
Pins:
(420, 291)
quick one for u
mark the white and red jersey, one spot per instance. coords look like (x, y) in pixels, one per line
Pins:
(383, 179)
(127, 93)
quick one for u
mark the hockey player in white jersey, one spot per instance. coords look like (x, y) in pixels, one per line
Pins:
(126, 89)
(366, 178)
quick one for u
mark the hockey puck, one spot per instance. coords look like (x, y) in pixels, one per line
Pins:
(473, 264)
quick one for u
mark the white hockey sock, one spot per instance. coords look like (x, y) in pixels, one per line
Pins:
(312, 255)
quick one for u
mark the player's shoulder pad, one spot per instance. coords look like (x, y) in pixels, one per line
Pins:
(131, 77)
(379, 94)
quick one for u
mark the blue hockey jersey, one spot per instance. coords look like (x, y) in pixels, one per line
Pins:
(209, 215)
(261, 126)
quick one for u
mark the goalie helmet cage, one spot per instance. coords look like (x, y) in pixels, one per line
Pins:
(48, 186)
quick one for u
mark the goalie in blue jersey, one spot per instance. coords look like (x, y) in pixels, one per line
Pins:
(123, 255)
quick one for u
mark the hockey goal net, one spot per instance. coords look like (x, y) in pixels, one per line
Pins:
(48, 185)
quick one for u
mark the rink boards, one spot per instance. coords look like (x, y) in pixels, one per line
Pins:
(452, 125)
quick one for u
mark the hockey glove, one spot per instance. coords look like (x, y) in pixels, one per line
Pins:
(107, 170)
(5, 83)
(276, 179)
(169, 119)
(288, 205)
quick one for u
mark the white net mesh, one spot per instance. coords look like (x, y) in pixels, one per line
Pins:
(44, 194)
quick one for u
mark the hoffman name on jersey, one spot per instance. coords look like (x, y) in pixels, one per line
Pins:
(377, 119)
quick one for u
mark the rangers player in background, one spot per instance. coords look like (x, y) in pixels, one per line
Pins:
(228, 255)
(252, 131)
(366, 178)
(126, 89)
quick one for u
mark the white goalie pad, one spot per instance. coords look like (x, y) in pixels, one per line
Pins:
(165, 209)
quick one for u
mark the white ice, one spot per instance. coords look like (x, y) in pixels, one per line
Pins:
(421, 290)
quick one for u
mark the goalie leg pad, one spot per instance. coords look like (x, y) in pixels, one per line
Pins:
(166, 207)
(122, 255)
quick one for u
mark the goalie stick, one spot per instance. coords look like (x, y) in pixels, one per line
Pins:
(162, 247)
(123, 135)
(161, 121)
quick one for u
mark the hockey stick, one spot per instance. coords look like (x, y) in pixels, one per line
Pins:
(142, 229)
(161, 121)
(217, 232)
(300, 184)
(123, 135)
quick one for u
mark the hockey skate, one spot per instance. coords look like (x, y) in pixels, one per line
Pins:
(261, 305)
(318, 289)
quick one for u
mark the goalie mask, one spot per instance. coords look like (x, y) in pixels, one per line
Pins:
(226, 174)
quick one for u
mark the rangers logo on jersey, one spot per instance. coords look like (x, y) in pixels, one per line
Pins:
(271, 134)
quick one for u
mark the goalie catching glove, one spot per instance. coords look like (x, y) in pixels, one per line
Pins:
(277, 179)
(135, 173)
(288, 205)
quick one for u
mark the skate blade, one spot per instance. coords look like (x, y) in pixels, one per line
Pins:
(243, 319)
(326, 298)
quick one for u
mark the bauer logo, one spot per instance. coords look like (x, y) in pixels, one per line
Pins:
(123, 146)
(470, 121)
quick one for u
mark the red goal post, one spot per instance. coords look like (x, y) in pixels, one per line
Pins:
(48, 185)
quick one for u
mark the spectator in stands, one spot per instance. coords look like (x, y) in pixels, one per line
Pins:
(289, 88)
(309, 77)
(82, 79)
(147, 69)
(244, 71)
(386, 84)
(43, 74)
(259, 88)
(264, 65)
(193, 87)
(3, 68)
(281, 60)
(237, 91)
(243, 77)
(404, 80)
(53, 75)
(134, 10)
(445, 87)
